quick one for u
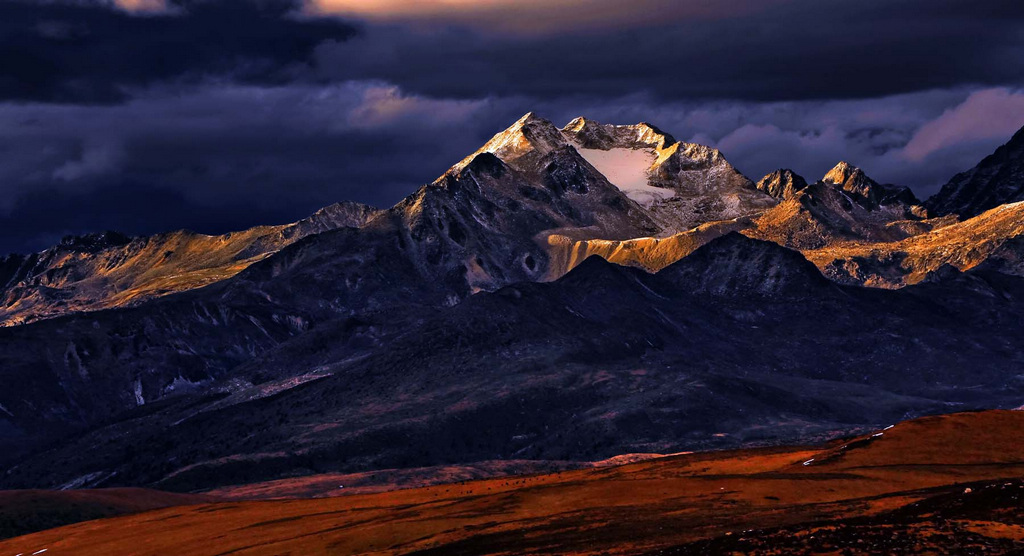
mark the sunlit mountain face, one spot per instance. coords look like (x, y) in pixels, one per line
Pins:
(493, 277)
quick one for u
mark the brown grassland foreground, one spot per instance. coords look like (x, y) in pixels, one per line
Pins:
(937, 485)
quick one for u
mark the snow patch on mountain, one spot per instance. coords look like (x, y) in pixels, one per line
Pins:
(629, 170)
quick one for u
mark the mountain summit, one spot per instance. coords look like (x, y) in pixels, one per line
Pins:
(782, 183)
(682, 185)
(679, 185)
(866, 191)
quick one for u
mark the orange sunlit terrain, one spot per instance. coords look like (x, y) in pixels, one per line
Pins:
(658, 504)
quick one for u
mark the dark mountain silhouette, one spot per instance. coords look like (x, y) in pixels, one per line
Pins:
(998, 179)
(743, 342)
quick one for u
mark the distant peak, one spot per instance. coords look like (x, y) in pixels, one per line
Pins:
(787, 174)
(340, 214)
(347, 205)
(576, 124)
(845, 172)
(655, 129)
(782, 183)
(529, 124)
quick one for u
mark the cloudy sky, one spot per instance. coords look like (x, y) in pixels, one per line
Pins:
(150, 115)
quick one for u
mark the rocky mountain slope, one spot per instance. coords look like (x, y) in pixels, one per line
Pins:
(616, 359)
(106, 270)
(991, 240)
(845, 207)
(854, 229)
(474, 228)
(552, 180)
(649, 253)
(996, 180)
(410, 339)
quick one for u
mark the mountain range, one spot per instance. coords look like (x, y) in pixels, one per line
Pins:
(561, 294)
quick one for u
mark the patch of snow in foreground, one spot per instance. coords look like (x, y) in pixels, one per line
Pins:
(627, 170)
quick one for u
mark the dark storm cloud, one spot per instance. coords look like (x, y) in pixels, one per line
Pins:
(217, 115)
(40, 218)
(804, 49)
(77, 52)
(218, 158)
(778, 50)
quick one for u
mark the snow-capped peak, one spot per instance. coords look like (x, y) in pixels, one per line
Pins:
(528, 135)
(681, 185)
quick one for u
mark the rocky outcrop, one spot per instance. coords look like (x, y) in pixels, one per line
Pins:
(782, 184)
